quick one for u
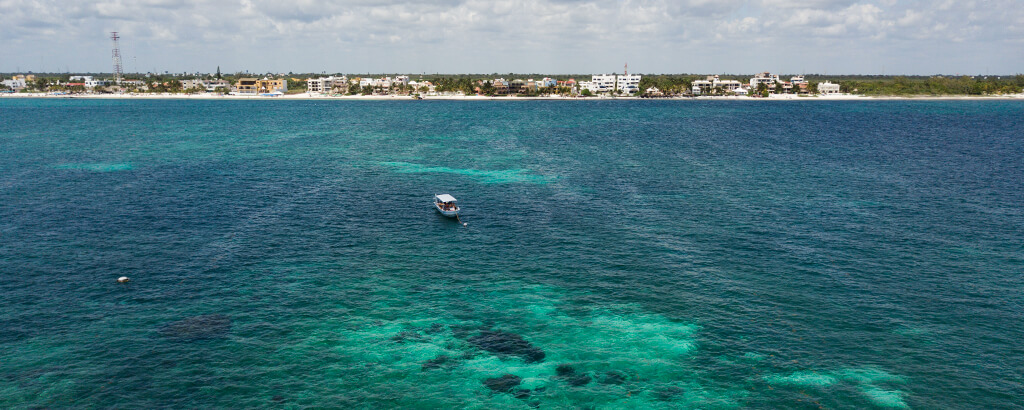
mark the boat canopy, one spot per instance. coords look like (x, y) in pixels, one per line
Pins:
(445, 198)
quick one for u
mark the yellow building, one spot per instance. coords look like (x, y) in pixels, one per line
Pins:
(267, 85)
(246, 86)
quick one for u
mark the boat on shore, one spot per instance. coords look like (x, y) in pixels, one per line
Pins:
(446, 205)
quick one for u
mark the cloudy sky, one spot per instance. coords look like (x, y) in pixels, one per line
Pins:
(522, 36)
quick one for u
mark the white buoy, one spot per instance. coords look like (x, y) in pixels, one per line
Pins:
(123, 279)
(465, 224)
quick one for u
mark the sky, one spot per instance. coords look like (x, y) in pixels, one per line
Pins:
(516, 36)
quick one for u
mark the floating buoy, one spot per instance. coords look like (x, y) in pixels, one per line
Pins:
(465, 224)
(123, 279)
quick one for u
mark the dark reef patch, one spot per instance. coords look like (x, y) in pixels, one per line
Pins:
(503, 384)
(506, 344)
(438, 362)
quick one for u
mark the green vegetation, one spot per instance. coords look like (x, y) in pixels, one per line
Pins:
(931, 86)
(668, 83)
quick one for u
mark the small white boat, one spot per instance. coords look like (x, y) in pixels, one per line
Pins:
(445, 204)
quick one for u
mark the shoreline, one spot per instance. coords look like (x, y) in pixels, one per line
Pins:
(317, 97)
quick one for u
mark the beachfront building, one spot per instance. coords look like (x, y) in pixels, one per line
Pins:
(827, 88)
(586, 85)
(700, 87)
(602, 83)
(321, 85)
(190, 84)
(712, 83)
(271, 86)
(628, 84)
(766, 78)
(423, 86)
(96, 83)
(15, 83)
(214, 85)
(245, 86)
(325, 85)
(798, 79)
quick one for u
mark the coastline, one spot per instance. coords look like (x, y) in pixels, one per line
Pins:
(307, 96)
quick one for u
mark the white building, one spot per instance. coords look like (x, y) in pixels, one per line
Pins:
(96, 83)
(827, 87)
(701, 87)
(797, 79)
(213, 85)
(189, 84)
(325, 85)
(602, 83)
(424, 86)
(628, 84)
(766, 78)
(15, 83)
(713, 82)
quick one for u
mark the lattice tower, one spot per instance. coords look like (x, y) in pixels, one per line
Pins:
(116, 54)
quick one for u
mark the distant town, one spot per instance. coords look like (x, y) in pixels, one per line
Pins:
(761, 85)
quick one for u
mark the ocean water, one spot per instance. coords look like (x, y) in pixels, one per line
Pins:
(641, 254)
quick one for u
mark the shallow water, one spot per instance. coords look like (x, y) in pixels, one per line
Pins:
(661, 254)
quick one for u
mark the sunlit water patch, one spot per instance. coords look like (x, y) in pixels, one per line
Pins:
(504, 176)
(96, 167)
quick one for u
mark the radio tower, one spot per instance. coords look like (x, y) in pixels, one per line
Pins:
(117, 57)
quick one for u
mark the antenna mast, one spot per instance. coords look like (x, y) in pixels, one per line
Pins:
(116, 54)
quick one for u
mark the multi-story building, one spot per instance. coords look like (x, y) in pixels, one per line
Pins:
(15, 83)
(766, 78)
(827, 87)
(213, 85)
(188, 84)
(699, 87)
(602, 83)
(325, 85)
(96, 83)
(713, 82)
(270, 86)
(628, 84)
(246, 86)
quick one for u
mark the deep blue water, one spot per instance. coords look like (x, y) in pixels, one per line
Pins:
(660, 254)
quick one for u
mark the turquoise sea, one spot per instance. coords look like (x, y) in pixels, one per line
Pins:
(618, 254)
